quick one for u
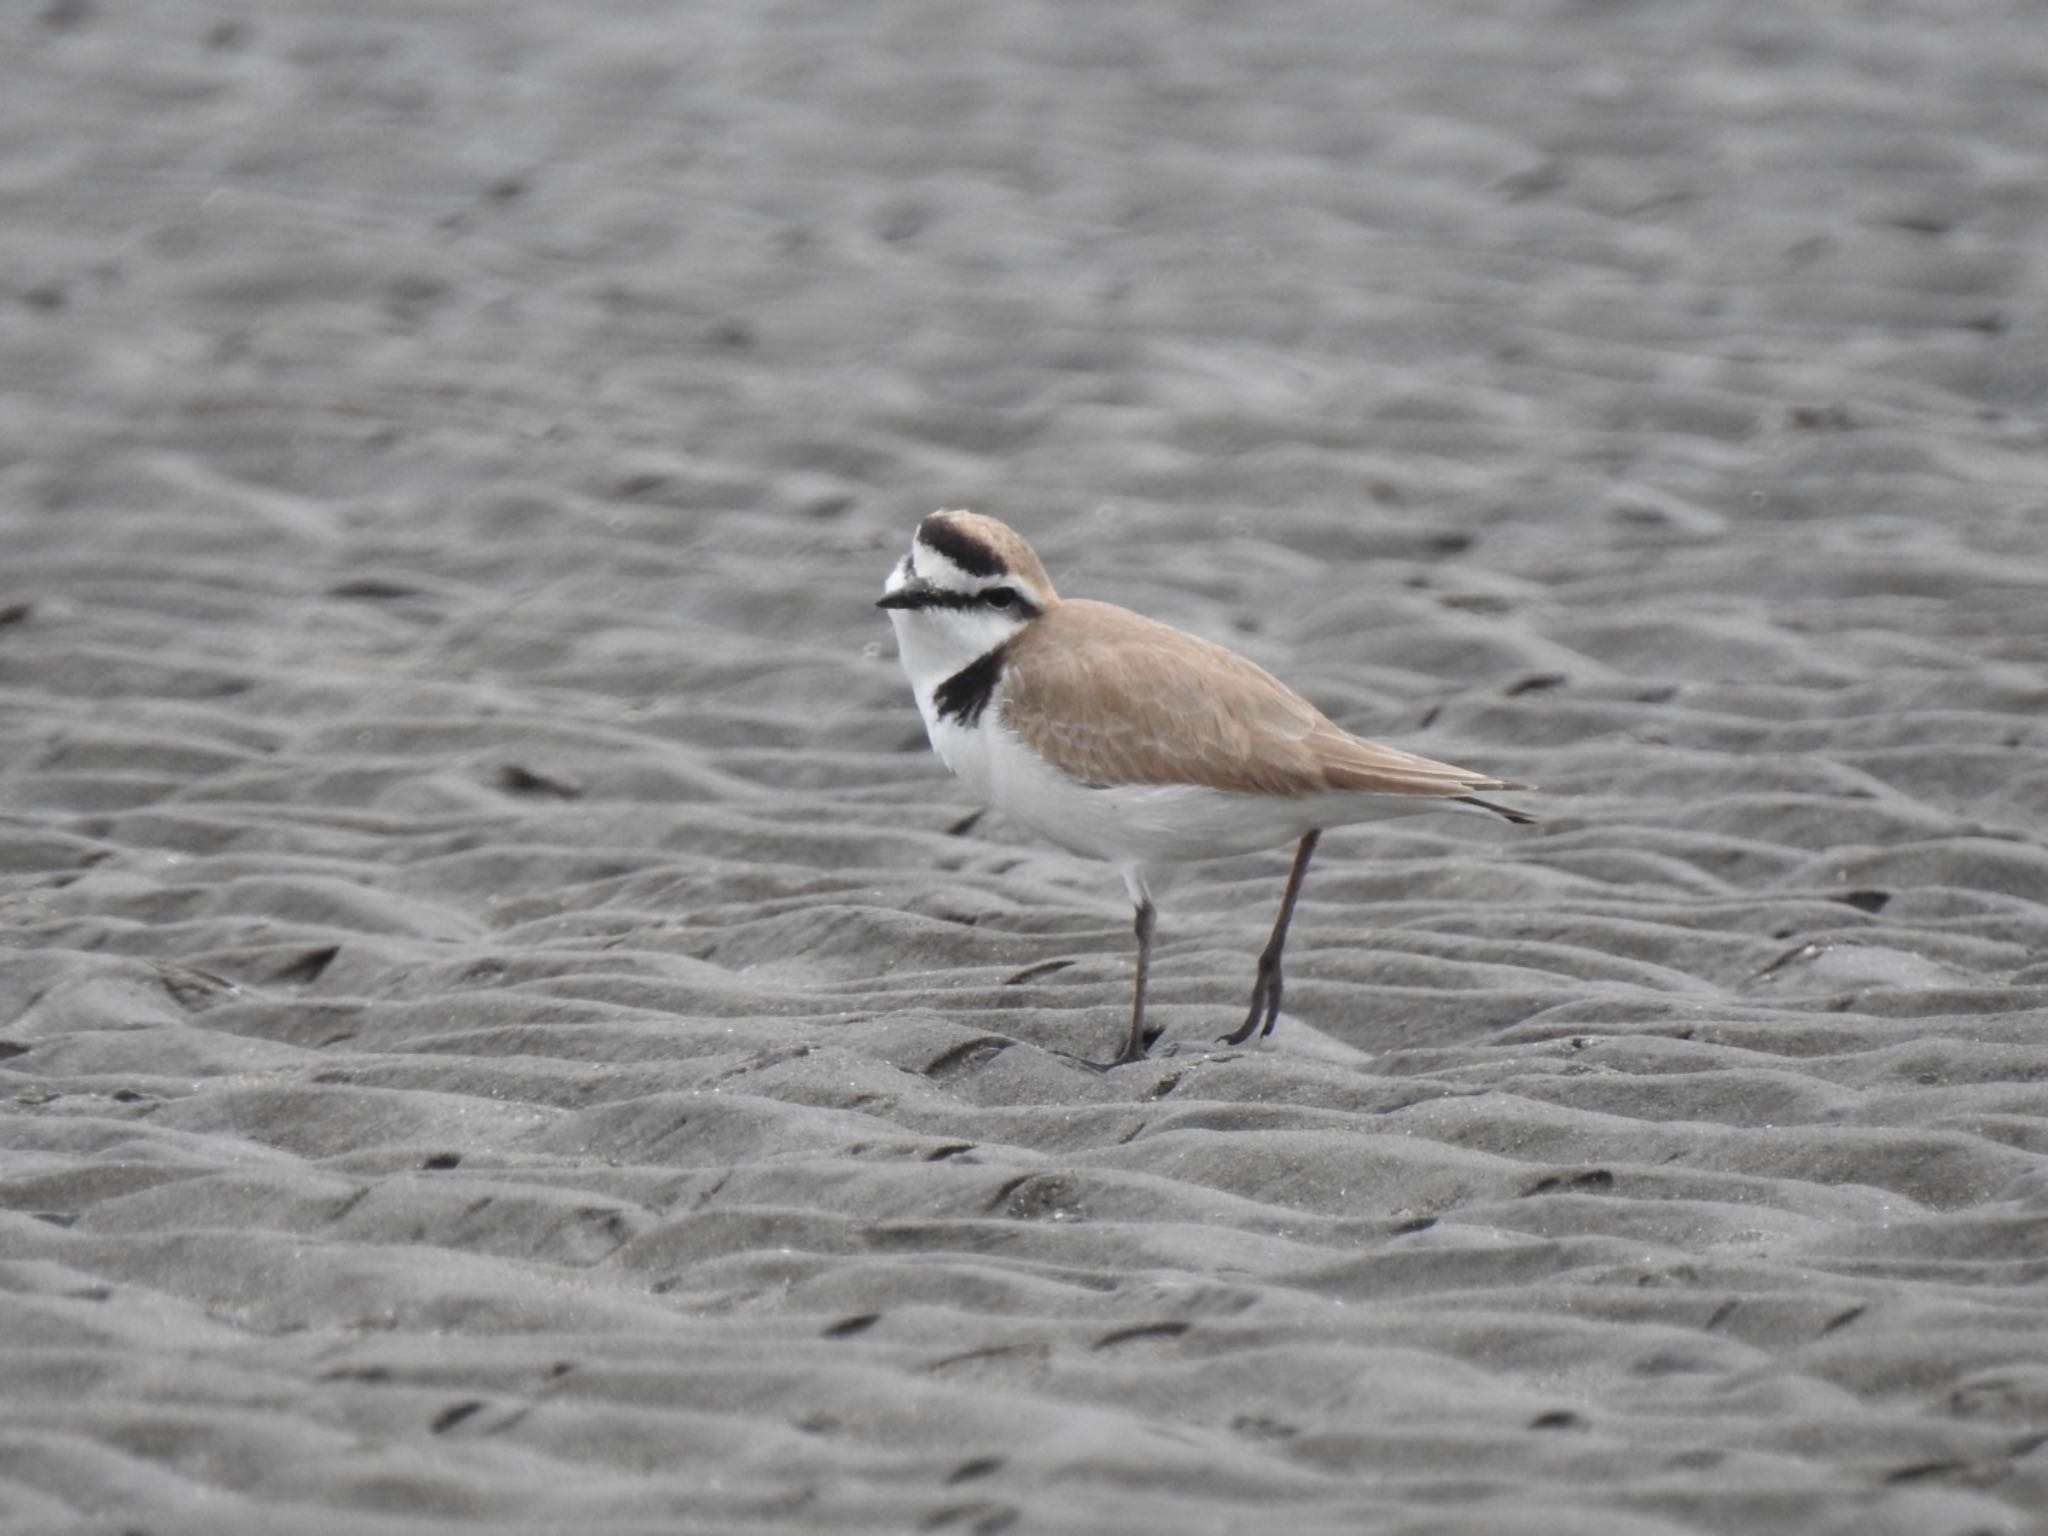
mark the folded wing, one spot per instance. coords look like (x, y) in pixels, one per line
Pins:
(1111, 697)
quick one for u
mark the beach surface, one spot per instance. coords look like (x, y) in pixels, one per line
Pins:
(504, 1023)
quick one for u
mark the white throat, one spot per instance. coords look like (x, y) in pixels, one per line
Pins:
(935, 643)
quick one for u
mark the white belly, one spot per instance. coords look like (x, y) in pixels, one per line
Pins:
(1138, 824)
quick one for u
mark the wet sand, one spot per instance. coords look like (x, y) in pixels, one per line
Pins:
(503, 1021)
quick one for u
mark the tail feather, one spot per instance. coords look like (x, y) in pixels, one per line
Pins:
(1519, 818)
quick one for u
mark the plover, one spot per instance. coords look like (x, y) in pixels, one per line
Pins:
(1121, 738)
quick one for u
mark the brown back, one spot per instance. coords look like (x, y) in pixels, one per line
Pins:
(1112, 697)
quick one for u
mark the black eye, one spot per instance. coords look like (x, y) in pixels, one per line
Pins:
(1000, 597)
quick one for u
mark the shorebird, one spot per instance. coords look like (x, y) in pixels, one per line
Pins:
(1121, 738)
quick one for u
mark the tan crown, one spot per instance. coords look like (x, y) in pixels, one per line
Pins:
(999, 543)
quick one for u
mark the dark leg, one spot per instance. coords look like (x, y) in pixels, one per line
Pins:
(1134, 1046)
(1266, 988)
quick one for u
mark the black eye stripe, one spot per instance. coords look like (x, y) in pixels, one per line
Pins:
(968, 601)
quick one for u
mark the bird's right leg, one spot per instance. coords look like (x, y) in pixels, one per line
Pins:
(1136, 1042)
(1139, 1039)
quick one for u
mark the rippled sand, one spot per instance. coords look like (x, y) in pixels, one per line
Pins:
(502, 1019)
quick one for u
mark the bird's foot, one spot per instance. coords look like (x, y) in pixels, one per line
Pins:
(1258, 1023)
(1133, 1051)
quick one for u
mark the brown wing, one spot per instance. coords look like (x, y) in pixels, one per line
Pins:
(1111, 697)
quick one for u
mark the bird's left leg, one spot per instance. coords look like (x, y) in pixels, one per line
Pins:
(1266, 987)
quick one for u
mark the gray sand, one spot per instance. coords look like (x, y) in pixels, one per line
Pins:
(501, 1020)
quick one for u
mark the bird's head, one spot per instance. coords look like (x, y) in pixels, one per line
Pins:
(969, 584)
